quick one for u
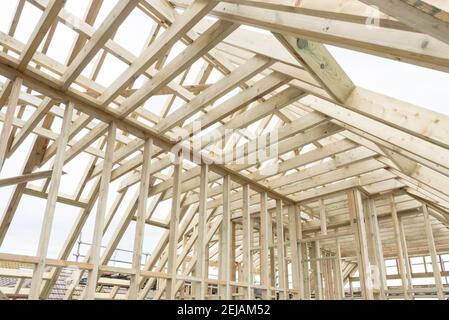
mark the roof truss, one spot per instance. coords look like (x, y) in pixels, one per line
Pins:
(340, 150)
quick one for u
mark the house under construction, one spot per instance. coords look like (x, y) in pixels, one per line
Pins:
(229, 153)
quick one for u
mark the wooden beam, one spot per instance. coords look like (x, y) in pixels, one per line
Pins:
(194, 13)
(109, 26)
(323, 218)
(321, 64)
(408, 267)
(72, 237)
(282, 272)
(15, 20)
(419, 15)
(219, 89)
(8, 123)
(414, 148)
(202, 45)
(5, 93)
(340, 292)
(45, 22)
(263, 243)
(238, 102)
(201, 269)
(294, 259)
(90, 17)
(33, 159)
(133, 292)
(100, 216)
(433, 253)
(398, 45)
(378, 248)
(25, 178)
(315, 256)
(174, 232)
(133, 127)
(225, 242)
(303, 270)
(358, 222)
(246, 250)
(47, 223)
(400, 249)
(416, 120)
(353, 12)
(37, 116)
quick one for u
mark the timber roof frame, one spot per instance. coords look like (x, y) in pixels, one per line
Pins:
(334, 137)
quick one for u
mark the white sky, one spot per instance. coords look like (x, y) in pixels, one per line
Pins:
(420, 86)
